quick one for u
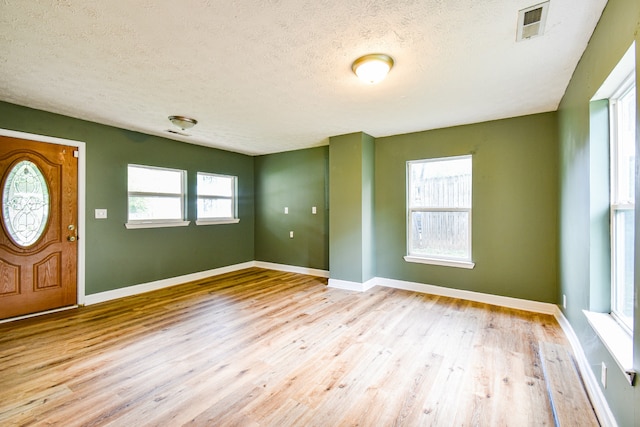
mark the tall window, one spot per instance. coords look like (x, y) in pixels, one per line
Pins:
(156, 195)
(216, 198)
(439, 211)
(623, 158)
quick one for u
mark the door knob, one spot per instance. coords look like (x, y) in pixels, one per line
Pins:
(71, 238)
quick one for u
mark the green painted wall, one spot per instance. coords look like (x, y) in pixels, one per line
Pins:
(352, 192)
(617, 29)
(117, 257)
(514, 217)
(298, 180)
(368, 208)
(599, 177)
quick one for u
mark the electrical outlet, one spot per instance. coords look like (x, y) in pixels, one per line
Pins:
(101, 214)
(603, 375)
(314, 210)
(564, 301)
(291, 234)
(286, 210)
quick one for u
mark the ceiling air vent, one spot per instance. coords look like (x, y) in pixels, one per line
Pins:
(531, 21)
(177, 132)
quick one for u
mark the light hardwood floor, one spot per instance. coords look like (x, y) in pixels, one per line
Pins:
(266, 348)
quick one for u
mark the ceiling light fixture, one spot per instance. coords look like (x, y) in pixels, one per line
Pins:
(372, 68)
(183, 122)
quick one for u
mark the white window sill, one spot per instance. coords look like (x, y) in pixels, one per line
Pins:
(615, 339)
(443, 262)
(134, 225)
(217, 221)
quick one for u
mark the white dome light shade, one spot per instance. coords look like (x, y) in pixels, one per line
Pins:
(183, 122)
(372, 68)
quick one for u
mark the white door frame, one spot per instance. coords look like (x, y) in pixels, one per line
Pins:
(82, 149)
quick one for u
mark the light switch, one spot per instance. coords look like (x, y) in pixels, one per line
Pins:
(314, 210)
(291, 234)
(286, 210)
(101, 214)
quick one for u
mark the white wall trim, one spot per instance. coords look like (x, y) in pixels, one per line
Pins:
(39, 313)
(292, 269)
(178, 280)
(352, 286)
(600, 405)
(163, 283)
(443, 262)
(517, 303)
(82, 182)
(596, 396)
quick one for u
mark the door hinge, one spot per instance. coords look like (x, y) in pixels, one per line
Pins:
(76, 154)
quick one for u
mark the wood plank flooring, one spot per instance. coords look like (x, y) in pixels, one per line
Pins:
(568, 398)
(266, 348)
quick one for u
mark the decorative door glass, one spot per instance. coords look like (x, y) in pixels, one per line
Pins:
(25, 203)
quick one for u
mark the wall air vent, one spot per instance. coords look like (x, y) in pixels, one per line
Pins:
(531, 21)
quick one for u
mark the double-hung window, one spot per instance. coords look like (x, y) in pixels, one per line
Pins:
(439, 211)
(156, 197)
(216, 199)
(622, 112)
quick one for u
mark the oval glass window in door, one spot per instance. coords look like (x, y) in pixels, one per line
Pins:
(25, 203)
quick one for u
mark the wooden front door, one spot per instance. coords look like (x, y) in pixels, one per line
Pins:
(38, 240)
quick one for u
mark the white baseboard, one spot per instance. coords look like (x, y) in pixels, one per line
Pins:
(291, 269)
(598, 400)
(600, 405)
(172, 281)
(517, 303)
(352, 286)
(39, 313)
(163, 283)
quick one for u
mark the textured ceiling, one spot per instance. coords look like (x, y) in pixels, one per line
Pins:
(264, 76)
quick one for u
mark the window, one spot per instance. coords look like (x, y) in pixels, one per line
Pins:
(612, 137)
(25, 203)
(156, 197)
(622, 116)
(216, 199)
(439, 211)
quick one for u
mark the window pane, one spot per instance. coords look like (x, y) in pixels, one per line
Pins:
(151, 180)
(623, 231)
(623, 125)
(441, 183)
(154, 208)
(625, 151)
(215, 185)
(440, 234)
(215, 208)
(25, 203)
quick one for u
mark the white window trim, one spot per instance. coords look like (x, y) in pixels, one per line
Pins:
(156, 224)
(441, 261)
(234, 201)
(616, 206)
(614, 337)
(217, 221)
(159, 223)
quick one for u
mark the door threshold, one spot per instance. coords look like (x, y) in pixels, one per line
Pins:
(40, 313)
